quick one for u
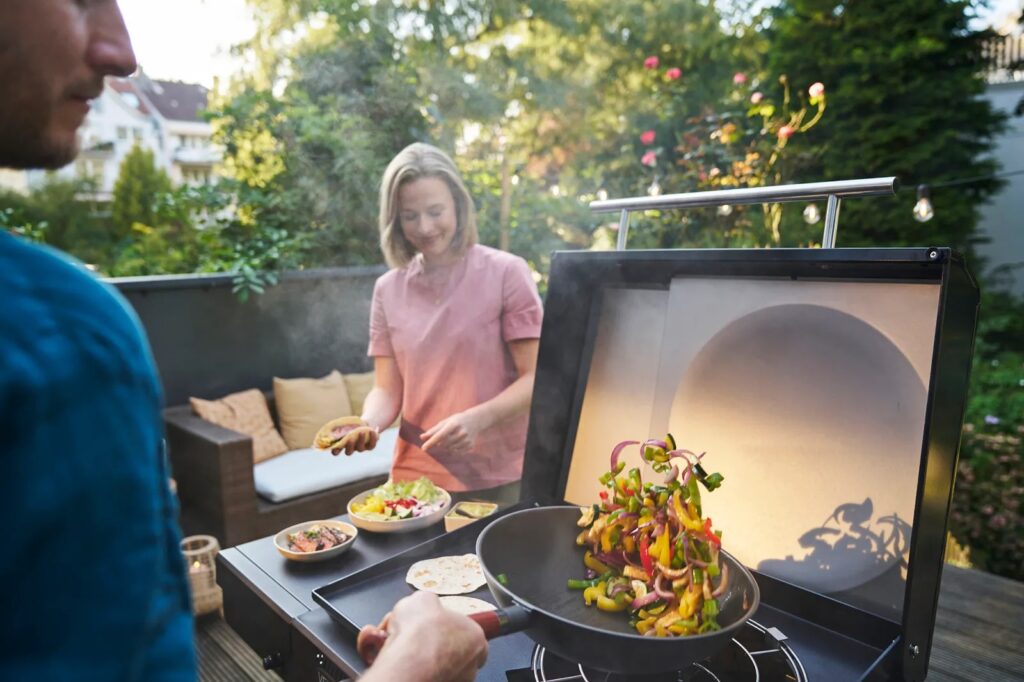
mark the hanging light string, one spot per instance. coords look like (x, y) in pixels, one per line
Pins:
(923, 209)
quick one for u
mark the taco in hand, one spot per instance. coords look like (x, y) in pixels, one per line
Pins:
(336, 434)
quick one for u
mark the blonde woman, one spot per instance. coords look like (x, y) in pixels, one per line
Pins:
(454, 331)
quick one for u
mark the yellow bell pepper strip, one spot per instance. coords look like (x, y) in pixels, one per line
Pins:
(610, 537)
(635, 573)
(683, 626)
(663, 549)
(591, 594)
(645, 556)
(684, 515)
(629, 544)
(646, 624)
(607, 604)
(595, 564)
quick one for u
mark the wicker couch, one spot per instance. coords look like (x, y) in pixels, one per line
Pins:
(213, 469)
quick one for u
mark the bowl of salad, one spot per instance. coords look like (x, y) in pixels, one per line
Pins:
(315, 540)
(399, 506)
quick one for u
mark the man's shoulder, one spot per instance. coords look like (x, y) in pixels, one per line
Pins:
(46, 287)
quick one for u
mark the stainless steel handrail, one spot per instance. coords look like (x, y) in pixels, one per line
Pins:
(811, 191)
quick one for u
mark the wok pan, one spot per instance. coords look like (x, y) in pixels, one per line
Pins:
(536, 551)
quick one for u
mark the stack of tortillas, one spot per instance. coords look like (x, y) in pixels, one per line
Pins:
(451, 575)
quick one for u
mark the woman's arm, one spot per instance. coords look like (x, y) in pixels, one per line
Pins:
(384, 401)
(457, 432)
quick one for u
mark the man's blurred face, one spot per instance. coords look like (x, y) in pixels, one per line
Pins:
(54, 55)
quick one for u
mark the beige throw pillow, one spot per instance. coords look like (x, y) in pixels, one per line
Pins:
(304, 405)
(245, 412)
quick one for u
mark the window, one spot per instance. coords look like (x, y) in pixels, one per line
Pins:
(137, 134)
(122, 133)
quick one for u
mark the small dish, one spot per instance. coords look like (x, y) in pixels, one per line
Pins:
(398, 525)
(465, 513)
(281, 541)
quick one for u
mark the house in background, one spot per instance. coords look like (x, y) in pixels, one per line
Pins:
(162, 116)
(1002, 218)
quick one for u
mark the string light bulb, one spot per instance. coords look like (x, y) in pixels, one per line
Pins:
(923, 209)
(655, 189)
(812, 214)
(724, 210)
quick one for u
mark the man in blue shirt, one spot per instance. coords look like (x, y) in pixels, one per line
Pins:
(92, 582)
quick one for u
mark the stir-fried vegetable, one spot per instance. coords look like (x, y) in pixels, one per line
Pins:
(651, 552)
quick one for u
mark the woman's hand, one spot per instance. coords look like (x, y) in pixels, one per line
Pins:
(455, 434)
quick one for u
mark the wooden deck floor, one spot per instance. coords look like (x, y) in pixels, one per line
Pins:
(224, 657)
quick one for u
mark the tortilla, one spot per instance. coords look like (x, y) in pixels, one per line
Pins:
(334, 434)
(466, 606)
(447, 574)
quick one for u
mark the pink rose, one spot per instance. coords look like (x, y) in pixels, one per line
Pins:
(816, 90)
(649, 159)
(755, 98)
(673, 73)
(651, 62)
(647, 137)
(786, 132)
(739, 78)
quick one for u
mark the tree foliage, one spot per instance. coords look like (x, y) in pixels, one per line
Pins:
(139, 184)
(905, 82)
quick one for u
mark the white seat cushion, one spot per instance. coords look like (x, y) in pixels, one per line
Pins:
(302, 472)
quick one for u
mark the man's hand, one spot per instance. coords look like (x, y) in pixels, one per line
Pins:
(426, 643)
(455, 434)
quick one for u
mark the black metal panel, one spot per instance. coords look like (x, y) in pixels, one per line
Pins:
(947, 401)
(207, 343)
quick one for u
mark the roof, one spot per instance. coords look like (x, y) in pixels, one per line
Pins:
(129, 94)
(174, 100)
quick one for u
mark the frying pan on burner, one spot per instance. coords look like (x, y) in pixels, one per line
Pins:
(535, 549)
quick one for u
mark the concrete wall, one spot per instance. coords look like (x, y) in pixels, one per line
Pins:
(206, 343)
(1002, 219)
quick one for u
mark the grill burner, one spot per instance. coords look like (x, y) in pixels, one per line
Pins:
(757, 654)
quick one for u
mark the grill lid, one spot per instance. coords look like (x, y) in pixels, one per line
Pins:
(826, 385)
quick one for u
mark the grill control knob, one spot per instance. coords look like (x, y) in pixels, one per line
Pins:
(914, 650)
(274, 660)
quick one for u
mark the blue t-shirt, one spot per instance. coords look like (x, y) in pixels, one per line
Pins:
(92, 580)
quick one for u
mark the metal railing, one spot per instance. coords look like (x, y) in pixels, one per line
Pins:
(832, 192)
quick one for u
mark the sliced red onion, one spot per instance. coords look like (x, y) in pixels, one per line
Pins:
(610, 559)
(591, 574)
(660, 590)
(629, 562)
(688, 558)
(723, 585)
(672, 474)
(671, 573)
(643, 601)
(651, 633)
(656, 443)
(658, 530)
(687, 473)
(618, 450)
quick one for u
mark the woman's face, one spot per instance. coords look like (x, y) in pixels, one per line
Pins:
(426, 213)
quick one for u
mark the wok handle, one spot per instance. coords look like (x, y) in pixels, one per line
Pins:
(494, 624)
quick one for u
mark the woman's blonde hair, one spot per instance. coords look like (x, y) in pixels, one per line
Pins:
(417, 161)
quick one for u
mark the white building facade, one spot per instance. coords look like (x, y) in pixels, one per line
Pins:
(165, 117)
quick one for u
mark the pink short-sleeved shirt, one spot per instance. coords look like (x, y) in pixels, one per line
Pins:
(448, 331)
